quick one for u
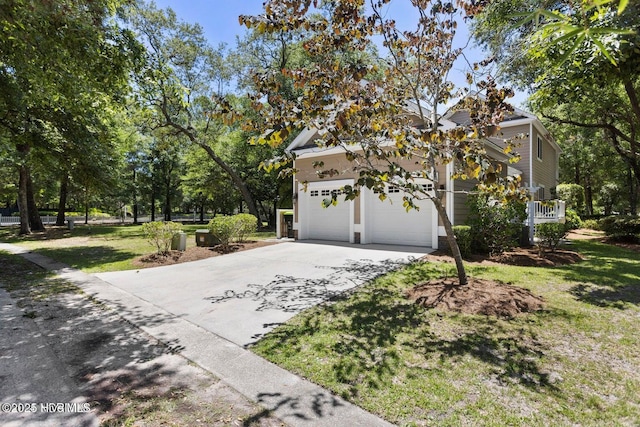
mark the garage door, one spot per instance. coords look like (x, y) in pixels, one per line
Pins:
(390, 223)
(330, 223)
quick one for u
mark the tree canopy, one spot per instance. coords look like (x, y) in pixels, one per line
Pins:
(581, 62)
(61, 65)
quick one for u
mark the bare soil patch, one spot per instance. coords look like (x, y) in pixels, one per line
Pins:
(524, 257)
(479, 296)
(194, 254)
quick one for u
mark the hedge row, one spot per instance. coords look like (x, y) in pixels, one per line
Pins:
(621, 227)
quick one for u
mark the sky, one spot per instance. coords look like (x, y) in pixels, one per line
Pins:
(219, 20)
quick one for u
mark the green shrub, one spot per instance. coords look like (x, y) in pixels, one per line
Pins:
(223, 229)
(226, 229)
(160, 234)
(463, 237)
(550, 235)
(621, 227)
(573, 194)
(572, 220)
(246, 224)
(608, 196)
(591, 224)
(495, 227)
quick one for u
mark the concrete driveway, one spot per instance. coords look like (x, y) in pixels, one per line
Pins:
(242, 296)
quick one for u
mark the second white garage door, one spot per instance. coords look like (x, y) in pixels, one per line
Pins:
(390, 223)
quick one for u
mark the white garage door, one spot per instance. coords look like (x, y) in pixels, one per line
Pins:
(331, 223)
(390, 222)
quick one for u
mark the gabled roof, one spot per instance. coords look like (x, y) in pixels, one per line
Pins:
(518, 117)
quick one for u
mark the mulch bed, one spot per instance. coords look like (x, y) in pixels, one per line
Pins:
(488, 297)
(479, 296)
(524, 257)
(194, 254)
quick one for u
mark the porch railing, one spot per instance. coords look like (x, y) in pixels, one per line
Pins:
(548, 211)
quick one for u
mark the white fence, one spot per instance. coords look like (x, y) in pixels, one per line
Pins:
(51, 219)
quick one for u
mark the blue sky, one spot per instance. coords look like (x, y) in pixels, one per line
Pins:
(219, 19)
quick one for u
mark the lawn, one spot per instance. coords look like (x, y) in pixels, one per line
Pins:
(575, 363)
(97, 248)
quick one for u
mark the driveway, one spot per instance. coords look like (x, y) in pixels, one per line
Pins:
(242, 296)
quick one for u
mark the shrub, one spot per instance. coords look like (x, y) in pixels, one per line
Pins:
(572, 220)
(237, 227)
(223, 229)
(621, 227)
(591, 224)
(495, 227)
(246, 224)
(573, 194)
(608, 195)
(550, 235)
(463, 237)
(160, 234)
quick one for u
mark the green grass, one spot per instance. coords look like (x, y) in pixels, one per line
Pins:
(575, 363)
(97, 248)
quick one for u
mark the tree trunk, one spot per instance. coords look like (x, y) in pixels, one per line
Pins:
(451, 239)
(35, 222)
(135, 199)
(25, 228)
(153, 204)
(588, 195)
(86, 205)
(632, 192)
(167, 201)
(62, 204)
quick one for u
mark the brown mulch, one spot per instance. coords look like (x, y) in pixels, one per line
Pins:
(479, 296)
(524, 257)
(194, 254)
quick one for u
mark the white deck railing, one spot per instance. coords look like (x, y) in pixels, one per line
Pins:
(548, 211)
(545, 211)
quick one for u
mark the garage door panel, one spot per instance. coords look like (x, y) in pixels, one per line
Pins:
(390, 222)
(330, 223)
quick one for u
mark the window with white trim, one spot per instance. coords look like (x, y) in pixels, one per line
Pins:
(427, 187)
(539, 148)
(314, 193)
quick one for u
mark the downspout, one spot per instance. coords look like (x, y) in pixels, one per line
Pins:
(530, 156)
(531, 202)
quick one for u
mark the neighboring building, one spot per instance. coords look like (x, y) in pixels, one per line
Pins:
(369, 220)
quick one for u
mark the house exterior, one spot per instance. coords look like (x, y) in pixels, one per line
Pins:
(368, 220)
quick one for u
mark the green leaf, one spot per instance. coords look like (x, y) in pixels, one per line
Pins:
(574, 32)
(604, 51)
(568, 53)
(622, 6)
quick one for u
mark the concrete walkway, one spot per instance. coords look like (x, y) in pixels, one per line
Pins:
(291, 398)
(24, 353)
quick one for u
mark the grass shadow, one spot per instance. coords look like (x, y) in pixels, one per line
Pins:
(366, 337)
(86, 257)
(10, 234)
(609, 277)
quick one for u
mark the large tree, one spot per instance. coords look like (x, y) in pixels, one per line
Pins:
(182, 74)
(384, 117)
(58, 60)
(580, 60)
